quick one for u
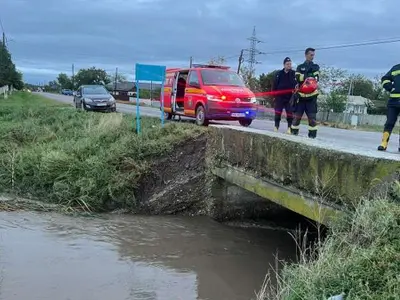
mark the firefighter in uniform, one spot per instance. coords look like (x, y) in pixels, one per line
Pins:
(306, 102)
(391, 83)
(285, 81)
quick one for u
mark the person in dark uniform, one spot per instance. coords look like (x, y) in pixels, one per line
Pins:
(284, 80)
(306, 103)
(391, 83)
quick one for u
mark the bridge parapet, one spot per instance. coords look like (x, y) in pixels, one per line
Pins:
(315, 178)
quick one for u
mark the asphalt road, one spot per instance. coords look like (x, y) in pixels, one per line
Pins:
(356, 140)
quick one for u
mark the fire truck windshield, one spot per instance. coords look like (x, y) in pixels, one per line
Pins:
(221, 77)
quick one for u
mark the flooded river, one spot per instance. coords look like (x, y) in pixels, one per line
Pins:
(55, 257)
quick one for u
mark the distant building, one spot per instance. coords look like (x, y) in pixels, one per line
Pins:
(124, 90)
(357, 105)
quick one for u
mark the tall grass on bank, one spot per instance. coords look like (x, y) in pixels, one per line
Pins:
(91, 160)
(360, 258)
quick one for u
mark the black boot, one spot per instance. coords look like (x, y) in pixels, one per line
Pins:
(294, 131)
(312, 134)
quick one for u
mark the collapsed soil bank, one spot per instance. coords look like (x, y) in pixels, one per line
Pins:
(181, 183)
(177, 182)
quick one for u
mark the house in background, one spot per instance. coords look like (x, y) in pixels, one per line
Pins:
(357, 105)
(127, 89)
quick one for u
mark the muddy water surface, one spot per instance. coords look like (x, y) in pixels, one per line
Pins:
(55, 257)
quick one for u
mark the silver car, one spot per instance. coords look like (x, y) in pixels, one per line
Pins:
(94, 98)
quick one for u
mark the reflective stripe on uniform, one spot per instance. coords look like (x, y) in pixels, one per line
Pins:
(308, 95)
(312, 128)
(301, 76)
(395, 95)
(316, 73)
(295, 127)
(395, 73)
(386, 81)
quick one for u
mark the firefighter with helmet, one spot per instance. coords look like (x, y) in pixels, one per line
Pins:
(307, 76)
(391, 83)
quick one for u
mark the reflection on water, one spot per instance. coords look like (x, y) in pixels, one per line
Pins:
(55, 257)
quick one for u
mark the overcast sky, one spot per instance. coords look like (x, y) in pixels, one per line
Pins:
(47, 36)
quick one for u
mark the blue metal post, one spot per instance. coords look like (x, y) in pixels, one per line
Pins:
(137, 107)
(162, 104)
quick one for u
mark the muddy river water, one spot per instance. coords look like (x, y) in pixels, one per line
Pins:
(55, 257)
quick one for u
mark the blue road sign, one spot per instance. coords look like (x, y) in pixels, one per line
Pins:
(149, 73)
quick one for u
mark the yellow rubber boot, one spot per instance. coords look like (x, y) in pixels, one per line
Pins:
(385, 141)
(289, 131)
(276, 129)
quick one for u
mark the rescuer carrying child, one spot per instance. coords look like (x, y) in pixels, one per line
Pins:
(307, 76)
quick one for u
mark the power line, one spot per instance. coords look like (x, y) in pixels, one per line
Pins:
(350, 45)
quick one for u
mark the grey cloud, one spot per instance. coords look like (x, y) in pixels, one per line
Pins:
(52, 34)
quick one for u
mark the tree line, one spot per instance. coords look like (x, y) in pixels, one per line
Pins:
(335, 85)
(9, 75)
(90, 76)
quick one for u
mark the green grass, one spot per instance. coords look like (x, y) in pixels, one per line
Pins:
(54, 153)
(360, 258)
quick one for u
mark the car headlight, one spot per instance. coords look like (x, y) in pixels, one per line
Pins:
(216, 98)
(87, 100)
(111, 100)
(253, 100)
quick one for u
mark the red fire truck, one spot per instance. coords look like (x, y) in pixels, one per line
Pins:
(208, 92)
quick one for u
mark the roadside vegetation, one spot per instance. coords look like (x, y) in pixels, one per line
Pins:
(360, 259)
(372, 128)
(51, 152)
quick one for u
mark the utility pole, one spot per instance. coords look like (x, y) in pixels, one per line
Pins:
(253, 52)
(73, 77)
(191, 62)
(115, 80)
(349, 94)
(240, 61)
(151, 91)
(4, 47)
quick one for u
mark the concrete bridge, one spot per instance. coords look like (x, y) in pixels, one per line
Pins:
(315, 178)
